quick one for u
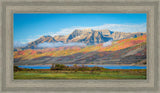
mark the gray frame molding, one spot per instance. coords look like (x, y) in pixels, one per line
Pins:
(8, 7)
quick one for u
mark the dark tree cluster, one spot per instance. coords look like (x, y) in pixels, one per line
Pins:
(75, 68)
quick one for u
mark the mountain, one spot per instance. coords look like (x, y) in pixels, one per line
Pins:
(61, 38)
(90, 36)
(130, 51)
(42, 39)
(87, 36)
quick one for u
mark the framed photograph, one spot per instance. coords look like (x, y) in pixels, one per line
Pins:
(80, 46)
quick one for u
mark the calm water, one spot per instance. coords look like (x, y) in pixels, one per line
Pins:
(104, 66)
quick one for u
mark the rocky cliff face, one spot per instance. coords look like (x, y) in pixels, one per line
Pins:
(89, 37)
(61, 38)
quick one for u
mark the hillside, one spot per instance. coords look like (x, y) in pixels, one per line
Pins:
(131, 51)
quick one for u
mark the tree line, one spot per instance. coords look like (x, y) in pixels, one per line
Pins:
(75, 68)
(60, 67)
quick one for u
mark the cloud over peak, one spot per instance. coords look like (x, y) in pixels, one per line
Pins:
(112, 27)
(59, 44)
(19, 44)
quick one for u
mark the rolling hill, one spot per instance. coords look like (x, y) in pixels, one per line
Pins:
(130, 51)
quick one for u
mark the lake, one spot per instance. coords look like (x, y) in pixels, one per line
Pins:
(104, 66)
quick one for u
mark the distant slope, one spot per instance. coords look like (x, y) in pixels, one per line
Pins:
(130, 51)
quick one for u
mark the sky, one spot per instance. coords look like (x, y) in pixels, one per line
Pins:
(29, 27)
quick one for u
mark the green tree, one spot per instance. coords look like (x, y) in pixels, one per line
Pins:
(16, 68)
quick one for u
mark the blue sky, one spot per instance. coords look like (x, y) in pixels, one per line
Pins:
(29, 27)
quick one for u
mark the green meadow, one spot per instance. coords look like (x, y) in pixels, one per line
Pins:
(108, 74)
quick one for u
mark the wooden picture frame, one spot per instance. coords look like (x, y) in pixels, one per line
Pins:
(8, 84)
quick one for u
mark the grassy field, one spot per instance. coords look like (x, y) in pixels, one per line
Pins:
(110, 74)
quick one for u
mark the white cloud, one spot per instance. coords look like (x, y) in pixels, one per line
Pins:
(107, 43)
(19, 44)
(59, 44)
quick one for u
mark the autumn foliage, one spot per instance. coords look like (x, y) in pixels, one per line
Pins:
(66, 51)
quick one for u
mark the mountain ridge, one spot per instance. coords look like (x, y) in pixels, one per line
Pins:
(87, 36)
